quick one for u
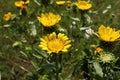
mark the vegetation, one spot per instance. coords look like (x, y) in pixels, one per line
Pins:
(59, 40)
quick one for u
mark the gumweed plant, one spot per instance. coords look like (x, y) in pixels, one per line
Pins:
(83, 7)
(108, 36)
(55, 44)
(22, 4)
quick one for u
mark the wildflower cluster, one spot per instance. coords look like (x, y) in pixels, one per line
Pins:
(57, 39)
(108, 35)
(22, 4)
(82, 5)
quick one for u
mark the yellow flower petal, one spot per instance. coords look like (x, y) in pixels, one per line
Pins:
(60, 2)
(65, 50)
(43, 40)
(27, 1)
(64, 38)
(67, 42)
(67, 46)
(43, 44)
(52, 36)
(60, 35)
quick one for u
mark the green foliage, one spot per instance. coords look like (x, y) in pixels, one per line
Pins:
(22, 59)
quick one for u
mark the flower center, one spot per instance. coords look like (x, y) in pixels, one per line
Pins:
(55, 45)
(106, 58)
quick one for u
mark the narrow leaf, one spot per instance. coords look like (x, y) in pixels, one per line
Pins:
(98, 69)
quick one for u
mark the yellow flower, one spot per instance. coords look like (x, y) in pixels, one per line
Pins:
(68, 4)
(7, 16)
(108, 34)
(98, 50)
(27, 1)
(49, 19)
(23, 7)
(60, 2)
(83, 5)
(19, 3)
(53, 43)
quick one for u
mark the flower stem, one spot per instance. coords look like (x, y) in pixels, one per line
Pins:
(83, 18)
(56, 64)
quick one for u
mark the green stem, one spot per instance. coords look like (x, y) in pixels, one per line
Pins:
(83, 18)
(57, 70)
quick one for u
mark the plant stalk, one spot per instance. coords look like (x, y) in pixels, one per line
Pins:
(56, 64)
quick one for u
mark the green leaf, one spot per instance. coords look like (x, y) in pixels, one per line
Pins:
(35, 65)
(0, 75)
(24, 54)
(41, 53)
(37, 56)
(98, 68)
(47, 69)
